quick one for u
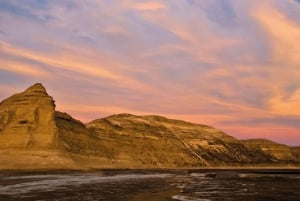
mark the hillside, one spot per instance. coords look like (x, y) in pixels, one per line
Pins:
(162, 142)
(33, 135)
(281, 152)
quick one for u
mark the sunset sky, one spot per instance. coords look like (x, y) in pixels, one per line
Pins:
(231, 64)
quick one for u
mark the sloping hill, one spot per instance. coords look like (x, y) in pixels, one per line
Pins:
(280, 152)
(158, 141)
(33, 136)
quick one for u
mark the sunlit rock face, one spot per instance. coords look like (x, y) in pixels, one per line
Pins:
(280, 152)
(162, 142)
(27, 120)
(33, 136)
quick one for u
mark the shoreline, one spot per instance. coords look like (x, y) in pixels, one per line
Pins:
(113, 171)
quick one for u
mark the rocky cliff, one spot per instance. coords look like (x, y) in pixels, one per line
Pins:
(28, 131)
(34, 135)
(162, 142)
(27, 120)
(280, 152)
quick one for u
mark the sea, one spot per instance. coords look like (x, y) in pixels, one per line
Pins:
(154, 185)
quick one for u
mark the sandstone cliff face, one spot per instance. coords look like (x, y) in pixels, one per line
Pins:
(34, 135)
(27, 120)
(162, 142)
(28, 132)
(296, 153)
(280, 152)
(75, 138)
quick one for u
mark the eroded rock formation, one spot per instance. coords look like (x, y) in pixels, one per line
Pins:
(33, 136)
(27, 120)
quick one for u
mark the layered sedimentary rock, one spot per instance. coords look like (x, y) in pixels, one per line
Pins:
(27, 120)
(28, 132)
(280, 152)
(34, 135)
(162, 142)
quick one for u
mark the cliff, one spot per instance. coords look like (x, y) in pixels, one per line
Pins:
(27, 120)
(28, 131)
(160, 142)
(280, 152)
(33, 135)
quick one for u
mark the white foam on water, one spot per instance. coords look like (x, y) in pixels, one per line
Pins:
(187, 198)
(198, 175)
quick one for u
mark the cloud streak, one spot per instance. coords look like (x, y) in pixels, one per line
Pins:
(231, 64)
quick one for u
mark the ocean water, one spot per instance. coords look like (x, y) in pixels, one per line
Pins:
(151, 186)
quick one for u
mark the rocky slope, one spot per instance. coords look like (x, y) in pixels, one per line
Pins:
(27, 120)
(162, 142)
(28, 131)
(280, 152)
(34, 135)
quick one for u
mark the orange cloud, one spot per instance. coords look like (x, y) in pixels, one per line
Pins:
(23, 68)
(284, 37)
(283, 33)
(146, 6)
(74, 59)
(286, 106)
(62, 60)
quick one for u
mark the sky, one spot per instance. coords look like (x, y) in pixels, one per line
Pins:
(231, 64)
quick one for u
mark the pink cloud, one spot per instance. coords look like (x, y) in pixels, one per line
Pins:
(145, 6)
(201, 61)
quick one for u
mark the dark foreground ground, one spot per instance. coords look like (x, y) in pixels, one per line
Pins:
(133, 185)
